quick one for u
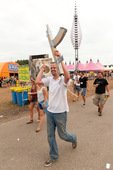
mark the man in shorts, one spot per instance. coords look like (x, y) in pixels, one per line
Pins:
(76, 85)
(58, 108)
(101, 85)
(84, 86)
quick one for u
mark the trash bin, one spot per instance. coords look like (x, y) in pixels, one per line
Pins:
(22, 96)
(14, 98)
(29, 89)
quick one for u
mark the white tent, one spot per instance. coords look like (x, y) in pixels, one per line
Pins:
(111, 68)
(107, 68)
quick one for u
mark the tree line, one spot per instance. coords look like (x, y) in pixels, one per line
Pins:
(22, 62)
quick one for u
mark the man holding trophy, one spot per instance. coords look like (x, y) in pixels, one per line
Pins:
(58, 107)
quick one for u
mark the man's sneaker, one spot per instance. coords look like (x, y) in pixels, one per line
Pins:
(84, 105)
(74, 145)
(49, 162)
(100, 113)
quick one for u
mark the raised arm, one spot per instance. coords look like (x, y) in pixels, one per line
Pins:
(66, 73)
(39, 76)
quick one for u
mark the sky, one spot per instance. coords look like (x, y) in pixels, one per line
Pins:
(23, 29)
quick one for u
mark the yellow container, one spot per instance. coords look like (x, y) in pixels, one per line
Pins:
(13, 88)
(27, 87)
(24, 89)
(18, 89)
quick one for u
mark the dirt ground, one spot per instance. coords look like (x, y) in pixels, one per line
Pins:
(10, 111)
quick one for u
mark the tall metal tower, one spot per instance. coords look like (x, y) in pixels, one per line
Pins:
(76, 36)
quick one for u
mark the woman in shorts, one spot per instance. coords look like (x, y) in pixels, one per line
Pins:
(33, 101)
(42, 104)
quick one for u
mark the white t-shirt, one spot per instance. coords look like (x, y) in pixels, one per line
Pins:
(75, 80)
(57, 94)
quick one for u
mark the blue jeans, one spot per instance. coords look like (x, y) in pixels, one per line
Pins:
(40, 105)
(77, 88)
(83, 91)
(57, 120)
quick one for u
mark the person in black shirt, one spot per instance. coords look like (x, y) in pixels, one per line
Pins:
(101, 85)
(84, 86)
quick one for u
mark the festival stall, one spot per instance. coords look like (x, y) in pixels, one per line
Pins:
(20, 94)
(8, 69)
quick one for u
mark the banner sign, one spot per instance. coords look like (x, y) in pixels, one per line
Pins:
(24, 73)
(13, 67)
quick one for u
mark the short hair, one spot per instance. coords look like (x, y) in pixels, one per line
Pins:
(100, 72)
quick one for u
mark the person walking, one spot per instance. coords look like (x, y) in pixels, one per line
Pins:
(101, 86)
(58, 108)
(33, 101)
(42, 104)
(76, 85)
(84, 86)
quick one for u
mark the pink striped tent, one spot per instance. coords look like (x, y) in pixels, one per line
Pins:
(98, 64)
(86, 64)
(80, 66)
(91, 66)
(70, 67)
